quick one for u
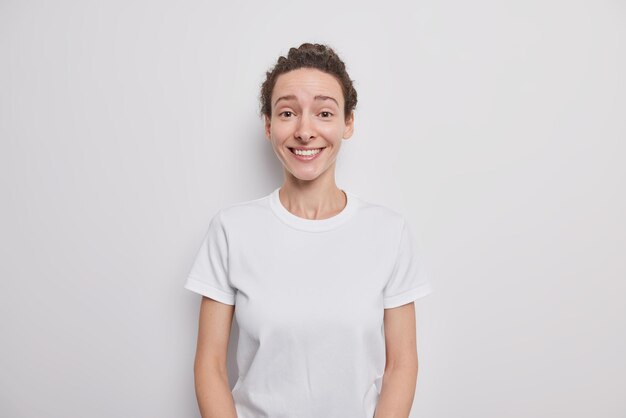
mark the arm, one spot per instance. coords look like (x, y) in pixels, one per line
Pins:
(211, 377)
(400, 377)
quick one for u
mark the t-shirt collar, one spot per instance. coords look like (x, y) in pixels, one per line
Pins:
(312, 225)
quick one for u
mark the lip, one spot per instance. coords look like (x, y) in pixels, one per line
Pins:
(305, 157)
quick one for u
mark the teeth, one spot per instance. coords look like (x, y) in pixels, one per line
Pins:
(307, 152)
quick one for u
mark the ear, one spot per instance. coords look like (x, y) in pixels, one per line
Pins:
(349, 130)
(268, 125)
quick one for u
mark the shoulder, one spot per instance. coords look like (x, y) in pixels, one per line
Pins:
(241, 212)
(378, 214)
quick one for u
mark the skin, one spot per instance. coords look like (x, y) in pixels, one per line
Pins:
(308, 191)
(213, 392)
(400, 376)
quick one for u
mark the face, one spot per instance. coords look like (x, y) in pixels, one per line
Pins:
(307, 113)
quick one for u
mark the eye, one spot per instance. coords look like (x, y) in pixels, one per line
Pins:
(326, 112)
(286, 111)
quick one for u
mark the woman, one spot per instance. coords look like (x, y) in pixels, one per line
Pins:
(322, 282)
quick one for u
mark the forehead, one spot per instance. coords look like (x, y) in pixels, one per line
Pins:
(305, 82)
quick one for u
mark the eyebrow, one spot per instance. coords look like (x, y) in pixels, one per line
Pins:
(318, 97)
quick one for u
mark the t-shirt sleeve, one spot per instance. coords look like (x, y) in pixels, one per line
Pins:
(209, 274)
(410, 279)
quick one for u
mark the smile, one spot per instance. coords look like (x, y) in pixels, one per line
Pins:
(306, 155)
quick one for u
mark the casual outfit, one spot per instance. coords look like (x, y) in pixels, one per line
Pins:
(310, 297)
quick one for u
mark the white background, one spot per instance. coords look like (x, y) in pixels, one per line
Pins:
(497, 127)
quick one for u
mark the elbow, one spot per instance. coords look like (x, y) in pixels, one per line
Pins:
(405, 362)
(405, 368)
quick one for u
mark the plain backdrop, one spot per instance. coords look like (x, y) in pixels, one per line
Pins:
(497, 127)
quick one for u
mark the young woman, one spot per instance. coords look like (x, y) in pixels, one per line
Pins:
(321, 282)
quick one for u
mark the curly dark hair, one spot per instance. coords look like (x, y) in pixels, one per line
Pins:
(307, 55)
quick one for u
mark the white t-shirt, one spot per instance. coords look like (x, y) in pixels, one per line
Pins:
(309, 300)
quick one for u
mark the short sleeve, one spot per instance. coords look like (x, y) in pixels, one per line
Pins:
(209, 272)
(409, 279)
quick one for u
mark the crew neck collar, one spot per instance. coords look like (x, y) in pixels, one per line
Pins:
(312, 225)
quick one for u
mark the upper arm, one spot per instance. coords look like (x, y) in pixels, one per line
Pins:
(400, 338)
(213, 334)
(409, 279)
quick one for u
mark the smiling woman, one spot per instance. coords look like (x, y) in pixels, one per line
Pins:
(307, 123)
(321, 281)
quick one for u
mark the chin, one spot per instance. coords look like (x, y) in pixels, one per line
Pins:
(305, 175)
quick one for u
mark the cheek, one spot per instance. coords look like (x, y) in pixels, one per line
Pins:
(331, 132)
(279, 130)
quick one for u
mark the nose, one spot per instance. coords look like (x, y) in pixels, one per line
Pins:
(304, 129)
